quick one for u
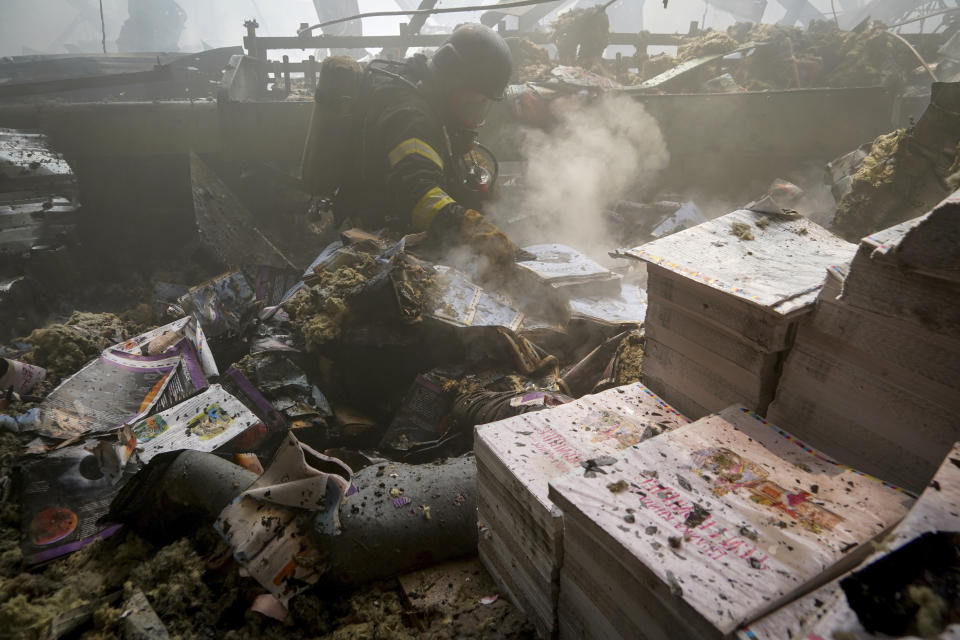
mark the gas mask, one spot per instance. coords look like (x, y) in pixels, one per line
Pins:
(480, 171)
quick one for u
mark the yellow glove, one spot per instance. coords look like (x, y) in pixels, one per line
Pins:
(481, 235)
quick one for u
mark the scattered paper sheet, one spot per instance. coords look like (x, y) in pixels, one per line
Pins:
(267, 525)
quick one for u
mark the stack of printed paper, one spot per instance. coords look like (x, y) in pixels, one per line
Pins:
(874, 374)
(521, 538)
(709, 526)
(724, 298)
(826, 613)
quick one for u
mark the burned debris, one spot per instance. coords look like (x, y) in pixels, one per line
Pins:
(291, 346)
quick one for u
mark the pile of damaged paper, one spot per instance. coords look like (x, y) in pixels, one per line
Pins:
(713, 524)
(577, 299)
(377, 407)
(725, 298)
(695, 530)
(874, 374)
(653, 527)
(138, 399)
(322, 420)
(521, 541)
(906, 587)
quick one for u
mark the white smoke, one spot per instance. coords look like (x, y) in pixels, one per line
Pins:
(596, 155)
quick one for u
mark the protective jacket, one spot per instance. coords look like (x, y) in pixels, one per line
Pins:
(406, 168)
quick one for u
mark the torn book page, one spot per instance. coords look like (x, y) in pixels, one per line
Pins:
(204, 422)
(268, 525)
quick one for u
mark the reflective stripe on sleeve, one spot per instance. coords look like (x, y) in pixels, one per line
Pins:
(411, 146)
(428, 207)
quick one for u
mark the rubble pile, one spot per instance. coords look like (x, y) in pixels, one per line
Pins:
(652, 66)
(84, 479)
(822, 56)
(711, 43)
(128, 426)
(774, 57)
(581, 36)
(903, 173)
(531, 62)
(313, 431)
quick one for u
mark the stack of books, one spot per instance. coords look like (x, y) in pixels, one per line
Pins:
(827, 613)
(723, 302)
(521, 531)
(874, 374)
(706, 527)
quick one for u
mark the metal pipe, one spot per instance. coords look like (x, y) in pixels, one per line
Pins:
(923, 17)
(103, 29)
(417, 12)
(916, 53)
(265, 43)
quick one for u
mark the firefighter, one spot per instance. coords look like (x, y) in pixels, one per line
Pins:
(415, 121)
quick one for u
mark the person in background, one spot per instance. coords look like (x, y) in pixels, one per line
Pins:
(152, 25)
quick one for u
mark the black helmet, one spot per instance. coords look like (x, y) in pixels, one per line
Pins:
(474, 57)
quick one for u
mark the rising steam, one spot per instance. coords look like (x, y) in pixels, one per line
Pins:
(597, 154)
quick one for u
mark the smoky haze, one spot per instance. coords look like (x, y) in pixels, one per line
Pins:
(54, 26)
(597, 154)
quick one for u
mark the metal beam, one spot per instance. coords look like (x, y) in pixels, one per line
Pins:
(121, 128)
(417, 22)
(258, 43)
(15, 89)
